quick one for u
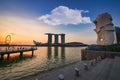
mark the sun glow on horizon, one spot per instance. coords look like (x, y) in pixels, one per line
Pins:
(25, 30)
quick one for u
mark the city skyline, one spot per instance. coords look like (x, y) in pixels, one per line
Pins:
(28, 20)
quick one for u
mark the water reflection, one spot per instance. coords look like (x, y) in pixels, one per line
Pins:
(45, 58)
(14, 60)
(49, 52)
(63, 54)
(56, 53)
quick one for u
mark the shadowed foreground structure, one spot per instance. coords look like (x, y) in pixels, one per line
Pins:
(107, 69)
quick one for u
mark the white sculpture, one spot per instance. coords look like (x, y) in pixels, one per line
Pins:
(104, 29)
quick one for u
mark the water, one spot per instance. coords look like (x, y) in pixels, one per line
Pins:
(45, 58)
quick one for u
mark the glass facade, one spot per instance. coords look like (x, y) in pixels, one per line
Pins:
(117, 31)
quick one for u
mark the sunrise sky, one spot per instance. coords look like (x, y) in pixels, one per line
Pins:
(28, 20)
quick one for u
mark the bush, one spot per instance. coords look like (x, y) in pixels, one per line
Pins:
(113, 48)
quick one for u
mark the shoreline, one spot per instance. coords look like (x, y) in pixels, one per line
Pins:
(47, 71)
(105, 69)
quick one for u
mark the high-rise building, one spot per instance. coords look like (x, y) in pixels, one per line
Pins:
(117, 32)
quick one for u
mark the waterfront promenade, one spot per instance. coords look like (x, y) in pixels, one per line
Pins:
(20, 50)
(106, 69)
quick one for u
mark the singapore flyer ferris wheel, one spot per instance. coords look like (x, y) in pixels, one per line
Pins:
(8, 39)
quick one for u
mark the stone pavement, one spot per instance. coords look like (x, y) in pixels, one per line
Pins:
(107, 69)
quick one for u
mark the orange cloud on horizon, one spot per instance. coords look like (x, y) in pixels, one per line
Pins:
(23, 30)
(26, 30)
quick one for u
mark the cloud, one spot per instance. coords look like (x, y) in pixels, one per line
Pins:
(64, 15)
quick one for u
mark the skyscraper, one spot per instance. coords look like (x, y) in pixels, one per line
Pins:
(117, 31)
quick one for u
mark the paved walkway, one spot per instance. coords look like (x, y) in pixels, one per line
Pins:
(107, 69)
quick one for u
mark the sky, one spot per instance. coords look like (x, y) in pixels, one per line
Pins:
(28, 20)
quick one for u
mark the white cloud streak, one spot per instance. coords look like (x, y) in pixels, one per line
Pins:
(64, 15)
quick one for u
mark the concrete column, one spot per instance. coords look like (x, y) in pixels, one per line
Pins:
(62, 38)
(21, 53)
(2, 56)
(8, 56)
(32, 52)
(56, 38)
(49, 38)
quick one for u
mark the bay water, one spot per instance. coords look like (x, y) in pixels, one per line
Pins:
(45, 58)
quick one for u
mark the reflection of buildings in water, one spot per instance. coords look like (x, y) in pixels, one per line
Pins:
(49, 52)
(55, 52)
(63, 52)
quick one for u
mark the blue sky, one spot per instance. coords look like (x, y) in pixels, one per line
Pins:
(51, 16)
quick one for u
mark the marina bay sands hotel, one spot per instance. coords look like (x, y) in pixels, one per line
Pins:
(56, 38)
